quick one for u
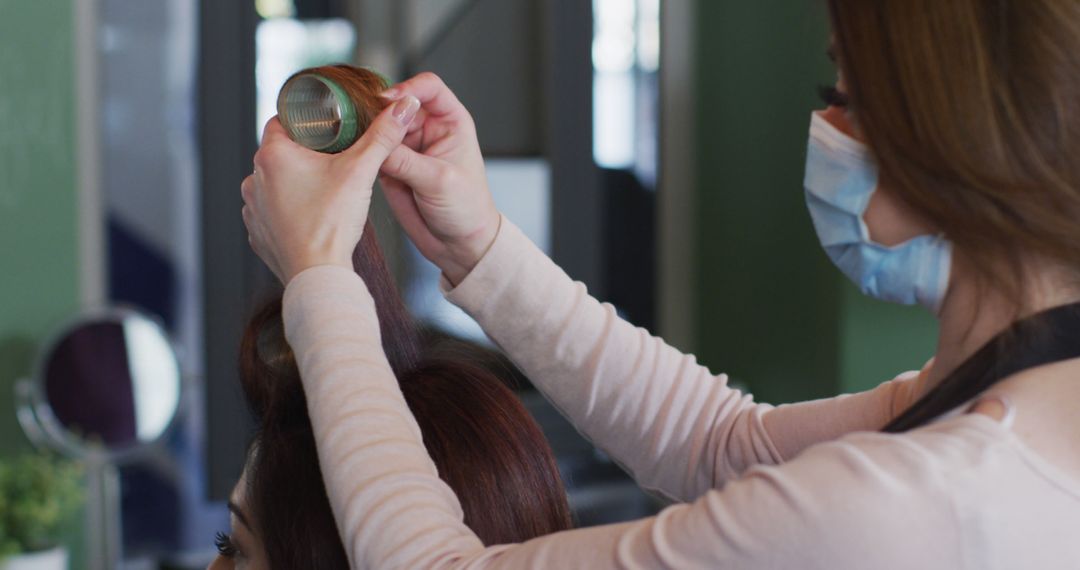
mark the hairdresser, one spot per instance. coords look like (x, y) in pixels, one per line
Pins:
(944, 172)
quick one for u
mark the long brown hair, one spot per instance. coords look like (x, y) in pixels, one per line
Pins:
(972, 109)
(483, 441)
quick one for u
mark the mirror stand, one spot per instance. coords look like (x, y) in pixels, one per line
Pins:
(103, 522)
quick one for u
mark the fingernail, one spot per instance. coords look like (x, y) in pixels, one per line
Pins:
(406, 109)
(391, 94)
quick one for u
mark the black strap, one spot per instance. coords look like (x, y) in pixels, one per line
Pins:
(1044, 338)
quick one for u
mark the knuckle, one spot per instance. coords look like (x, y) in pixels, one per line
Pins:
(266, 157)
(431, 77)
(261, 159)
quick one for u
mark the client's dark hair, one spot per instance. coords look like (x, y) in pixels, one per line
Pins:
(483, 441)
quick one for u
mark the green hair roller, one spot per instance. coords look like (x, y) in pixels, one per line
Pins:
(317, 113)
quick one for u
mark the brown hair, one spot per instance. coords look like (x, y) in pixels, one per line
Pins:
(972, 109)
(483, 441)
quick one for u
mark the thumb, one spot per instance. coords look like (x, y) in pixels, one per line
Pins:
(385, 134)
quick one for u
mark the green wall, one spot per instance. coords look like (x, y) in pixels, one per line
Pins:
(774, 313)
(879, 340)
(39, 287)
(38, 202)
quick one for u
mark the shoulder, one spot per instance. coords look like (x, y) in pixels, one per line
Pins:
(924, 461)
(871, 497)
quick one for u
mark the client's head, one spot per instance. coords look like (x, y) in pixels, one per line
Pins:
(483, 441)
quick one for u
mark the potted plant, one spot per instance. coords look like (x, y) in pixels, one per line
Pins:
(38, 494)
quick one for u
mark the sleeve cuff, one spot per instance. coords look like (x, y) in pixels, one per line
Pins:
(509, 253)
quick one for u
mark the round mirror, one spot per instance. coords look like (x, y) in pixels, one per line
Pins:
(109, 381)
(106, 387)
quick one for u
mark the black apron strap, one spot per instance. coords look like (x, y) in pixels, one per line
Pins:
(1044, 338)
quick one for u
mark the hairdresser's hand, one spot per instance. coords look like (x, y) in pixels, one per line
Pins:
(303, 208)
(436, 184)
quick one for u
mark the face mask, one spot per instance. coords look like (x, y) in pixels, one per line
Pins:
(841, 177)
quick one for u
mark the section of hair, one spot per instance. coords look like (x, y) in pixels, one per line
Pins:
(489, 450)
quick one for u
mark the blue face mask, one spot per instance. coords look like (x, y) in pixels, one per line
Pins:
(841, 176)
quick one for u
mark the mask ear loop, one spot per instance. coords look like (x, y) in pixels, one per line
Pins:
(831, 136)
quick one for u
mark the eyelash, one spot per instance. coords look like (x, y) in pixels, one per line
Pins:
(225, 545)
(833, 97)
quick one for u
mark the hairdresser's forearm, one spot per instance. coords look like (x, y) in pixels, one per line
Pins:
(677, 427)
(370, 448)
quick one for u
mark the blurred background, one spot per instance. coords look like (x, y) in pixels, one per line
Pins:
(654, 148)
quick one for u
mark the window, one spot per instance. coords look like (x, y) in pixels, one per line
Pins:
(626, 62)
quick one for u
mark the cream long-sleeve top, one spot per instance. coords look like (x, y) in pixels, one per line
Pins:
(801, 486)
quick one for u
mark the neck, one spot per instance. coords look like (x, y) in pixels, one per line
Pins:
(972, 315)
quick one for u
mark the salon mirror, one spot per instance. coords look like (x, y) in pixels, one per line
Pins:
(106, 388)
(108, 382)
